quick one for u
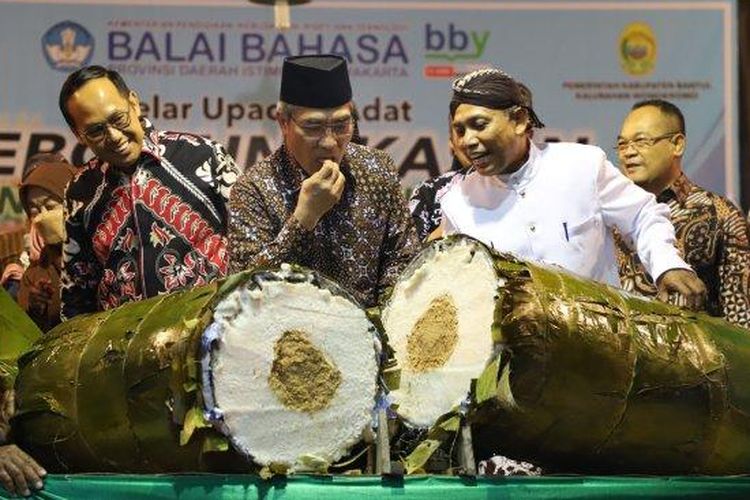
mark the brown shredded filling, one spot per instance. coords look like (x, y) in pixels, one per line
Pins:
(301, 376)
(434, 336)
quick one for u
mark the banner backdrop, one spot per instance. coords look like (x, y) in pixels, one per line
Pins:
(214, 67)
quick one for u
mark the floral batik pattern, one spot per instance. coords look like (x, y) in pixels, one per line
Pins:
(158, 229)
(424, 202)
(713, 237)
(363, 242)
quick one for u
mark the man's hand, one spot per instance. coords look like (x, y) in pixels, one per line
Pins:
(12, 271)
(18, 471)
(684, 282)
(319, 193)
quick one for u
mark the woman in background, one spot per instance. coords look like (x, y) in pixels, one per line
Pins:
(41, 194)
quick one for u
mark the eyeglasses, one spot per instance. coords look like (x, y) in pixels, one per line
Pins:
(119, 120)
(317, 130)
(642, 143)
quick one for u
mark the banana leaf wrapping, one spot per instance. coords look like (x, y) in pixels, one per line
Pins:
(122, 390)
(17, 333)
(583, 377)
(594, 379)
(110, 392)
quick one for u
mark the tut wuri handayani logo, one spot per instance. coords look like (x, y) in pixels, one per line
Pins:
(67, 46)
(637, 49)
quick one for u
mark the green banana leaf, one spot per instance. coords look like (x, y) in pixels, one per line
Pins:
(593, 379)
(109, 392)
(586, 378)
(121, 390)
(17, 333)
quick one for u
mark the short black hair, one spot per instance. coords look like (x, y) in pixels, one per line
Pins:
(665, 107)
(79, 78)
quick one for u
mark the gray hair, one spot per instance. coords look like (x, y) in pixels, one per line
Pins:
(285, 110)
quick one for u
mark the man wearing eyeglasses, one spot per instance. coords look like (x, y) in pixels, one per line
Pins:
(148, 214)
(556, 203)
(319, 200)
(711, 232)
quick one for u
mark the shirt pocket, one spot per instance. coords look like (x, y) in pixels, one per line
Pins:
(583, 233)
(580, 244)
(574, 231)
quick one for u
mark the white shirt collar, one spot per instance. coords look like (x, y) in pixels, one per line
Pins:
(523, 175)
(518, 179)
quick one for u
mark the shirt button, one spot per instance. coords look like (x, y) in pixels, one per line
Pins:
(532, 228)
(523, 194)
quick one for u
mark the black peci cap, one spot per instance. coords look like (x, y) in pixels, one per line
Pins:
(315, 81)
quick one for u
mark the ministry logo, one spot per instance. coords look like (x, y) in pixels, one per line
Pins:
(67, 46)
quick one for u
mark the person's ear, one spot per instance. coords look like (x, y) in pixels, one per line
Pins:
(135, 103)
(680, 143)
(284, 124)
(80, 138)
(74, 128)
(520, 118)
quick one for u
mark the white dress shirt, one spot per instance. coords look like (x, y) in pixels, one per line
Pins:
(558, 208)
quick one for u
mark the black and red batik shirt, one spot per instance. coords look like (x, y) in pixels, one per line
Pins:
(161, 228)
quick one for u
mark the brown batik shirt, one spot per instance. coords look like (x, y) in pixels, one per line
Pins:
(363, 242)
(712, 235)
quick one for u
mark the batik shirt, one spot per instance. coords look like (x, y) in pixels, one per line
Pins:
(157, 230)
(363, 242)
(712, 235)
(424, 203)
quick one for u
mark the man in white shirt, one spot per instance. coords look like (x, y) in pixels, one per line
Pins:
(553, 204)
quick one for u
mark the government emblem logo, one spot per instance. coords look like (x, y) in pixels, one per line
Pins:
(67, 46)
(637, 49)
